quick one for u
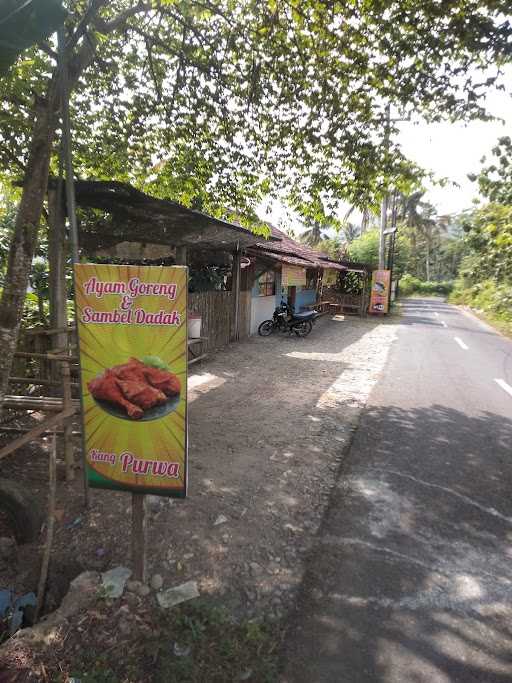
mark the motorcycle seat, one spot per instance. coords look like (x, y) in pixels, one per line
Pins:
(305, 315)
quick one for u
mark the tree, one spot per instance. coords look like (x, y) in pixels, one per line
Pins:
(224, 98)
(495, 181)
(365, 249)
(423, 230)
(315, 232)
(488, 236)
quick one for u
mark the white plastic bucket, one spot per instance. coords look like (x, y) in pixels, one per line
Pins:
(194, 326)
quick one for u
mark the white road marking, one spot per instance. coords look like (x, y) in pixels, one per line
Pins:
(436, 314)
(443, 323)
(506, 387)
(461, 343)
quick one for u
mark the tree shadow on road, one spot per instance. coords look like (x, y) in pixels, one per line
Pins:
(411, 578)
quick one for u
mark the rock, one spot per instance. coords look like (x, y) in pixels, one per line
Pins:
(255, 568)
(114, 581)
(174, 596)
(124, 627)
(144, 590)
(83, 592)
(157, 582)
(7, 547)
(132, 599)
(181, 650)
(8, 552)
(133, 586)
(221, 519)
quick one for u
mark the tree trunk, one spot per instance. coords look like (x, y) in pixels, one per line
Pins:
(24, 240)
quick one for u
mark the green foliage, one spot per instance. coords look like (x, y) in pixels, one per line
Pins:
(23, 24)
(36, 300)
(221, 104)
(155, 362)
(488, 236)
(495, 180)
(489, 297)
(331, 246)
(485, 273)
(365, 249)
(206, 279)
(412, 285)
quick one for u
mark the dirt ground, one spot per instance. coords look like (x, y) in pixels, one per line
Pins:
(269, 420)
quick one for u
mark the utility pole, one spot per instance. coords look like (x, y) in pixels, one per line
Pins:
(384, 205)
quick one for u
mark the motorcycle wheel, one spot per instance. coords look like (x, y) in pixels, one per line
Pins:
(303, 329)
(266, 328)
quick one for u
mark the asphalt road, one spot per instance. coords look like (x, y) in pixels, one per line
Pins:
(410, 580)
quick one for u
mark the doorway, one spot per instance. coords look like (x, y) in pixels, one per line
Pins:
(292, 294)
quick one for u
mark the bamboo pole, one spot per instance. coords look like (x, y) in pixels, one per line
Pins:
(139, 536)
(69, 457)
(71, 205)
(35, 432)
(52, 466)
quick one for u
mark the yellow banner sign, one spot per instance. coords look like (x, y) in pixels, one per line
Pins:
(379, 300)
(132, 326)
(292, 276)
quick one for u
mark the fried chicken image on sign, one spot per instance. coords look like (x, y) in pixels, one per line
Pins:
(159, 379)
(106, 388)
(135, 387)
(142, 394)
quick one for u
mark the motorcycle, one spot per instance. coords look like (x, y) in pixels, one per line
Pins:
(286, 320)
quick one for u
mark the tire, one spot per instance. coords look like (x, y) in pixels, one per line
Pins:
(266, 328)
(303, 329)
(24, 515)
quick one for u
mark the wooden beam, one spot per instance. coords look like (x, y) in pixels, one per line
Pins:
(235, 289)
(35, 432)
(197, 359)
(181, 255)
(139, 536)
(37, 403)
(24, 430)
(46, 356)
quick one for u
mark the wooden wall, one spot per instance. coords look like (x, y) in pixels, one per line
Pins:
(216, 311)
(215, 308)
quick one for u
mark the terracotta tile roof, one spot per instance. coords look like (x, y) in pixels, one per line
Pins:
(285, 258)
(288, 250)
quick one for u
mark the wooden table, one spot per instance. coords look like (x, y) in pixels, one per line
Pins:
(335, 308)
(196, 357)
(319, 306)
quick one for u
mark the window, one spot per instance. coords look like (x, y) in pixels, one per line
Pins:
(267, 284)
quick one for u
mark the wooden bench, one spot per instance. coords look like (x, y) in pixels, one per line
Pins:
(196, 357)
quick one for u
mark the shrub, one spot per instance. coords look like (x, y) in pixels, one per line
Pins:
(487, 296)
(412, 285)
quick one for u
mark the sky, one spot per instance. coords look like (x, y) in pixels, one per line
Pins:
(448, 150)
(453, 150)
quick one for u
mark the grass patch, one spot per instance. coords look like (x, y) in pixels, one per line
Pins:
(490, 301)
(194, 643)
(501, 325)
